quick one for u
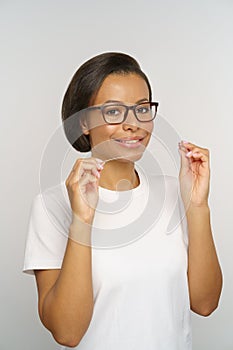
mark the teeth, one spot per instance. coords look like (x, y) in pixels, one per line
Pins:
(128, 141)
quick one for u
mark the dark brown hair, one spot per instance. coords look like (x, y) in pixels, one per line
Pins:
(84, 86)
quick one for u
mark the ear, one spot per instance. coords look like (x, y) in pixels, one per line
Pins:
(84, 126)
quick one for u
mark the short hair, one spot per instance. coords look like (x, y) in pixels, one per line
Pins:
(85, 85)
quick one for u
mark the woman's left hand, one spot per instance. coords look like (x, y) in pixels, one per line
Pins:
(194, 174)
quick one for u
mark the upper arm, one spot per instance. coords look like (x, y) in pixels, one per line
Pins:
(45, 280)
(48, 230)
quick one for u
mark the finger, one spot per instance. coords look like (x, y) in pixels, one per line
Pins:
(192, 147)
(197, 156)
(94, 168)
(181, 147)
(185, 162)
(82, 166)
(91, 164)
(201, 150)
(88, 178)
(87, 165)
(79, 174)
(187, 144)
(69, 178)
(95, 161)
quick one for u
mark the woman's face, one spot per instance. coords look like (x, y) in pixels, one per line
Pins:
(115, 141)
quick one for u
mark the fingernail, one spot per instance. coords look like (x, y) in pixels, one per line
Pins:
(100, 166)
(100, 160)
(183, 141)
(188, 154)
(181, 146)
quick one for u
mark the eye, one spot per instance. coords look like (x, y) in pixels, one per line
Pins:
(143, 109)
(112, 111)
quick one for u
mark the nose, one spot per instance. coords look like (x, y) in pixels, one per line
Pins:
(130, 123)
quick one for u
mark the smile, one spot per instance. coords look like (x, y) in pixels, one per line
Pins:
(130, 143)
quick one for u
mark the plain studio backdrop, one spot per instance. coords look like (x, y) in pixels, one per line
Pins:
(186, 49)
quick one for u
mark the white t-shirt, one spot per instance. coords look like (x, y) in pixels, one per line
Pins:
(139, 270)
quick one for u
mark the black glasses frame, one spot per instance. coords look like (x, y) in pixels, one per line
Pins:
(127, 109)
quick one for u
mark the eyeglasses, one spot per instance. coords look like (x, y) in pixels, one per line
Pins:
(117, 113)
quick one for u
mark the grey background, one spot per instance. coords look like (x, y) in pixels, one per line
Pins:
(186, 49)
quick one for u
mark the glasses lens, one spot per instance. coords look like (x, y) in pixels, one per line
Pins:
(145, 112)
(114, 114)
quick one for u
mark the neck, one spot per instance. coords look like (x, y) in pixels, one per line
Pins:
(119, 175)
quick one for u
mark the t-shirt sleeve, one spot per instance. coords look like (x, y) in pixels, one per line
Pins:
(47, 234)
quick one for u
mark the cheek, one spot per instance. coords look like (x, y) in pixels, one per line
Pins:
(104, 132)
(148, 127)
(101, 133)
(151, 127)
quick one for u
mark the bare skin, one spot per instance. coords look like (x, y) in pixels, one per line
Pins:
(204, 272)
(66, 295)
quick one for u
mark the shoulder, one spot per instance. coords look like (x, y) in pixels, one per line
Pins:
(47, 230)
(57, 193)
(52, 205)
(55, 196)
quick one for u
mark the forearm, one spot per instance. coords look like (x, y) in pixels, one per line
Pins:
(67, 308)
(204, 272)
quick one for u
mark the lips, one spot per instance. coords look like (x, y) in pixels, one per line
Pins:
(130, 142)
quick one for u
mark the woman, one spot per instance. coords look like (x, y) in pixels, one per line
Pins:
(129, 296)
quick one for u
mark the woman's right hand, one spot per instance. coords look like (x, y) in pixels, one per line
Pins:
(82, 186)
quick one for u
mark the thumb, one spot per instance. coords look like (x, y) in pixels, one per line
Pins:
(184, 161)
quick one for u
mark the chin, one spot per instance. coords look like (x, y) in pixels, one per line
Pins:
(128, 158)
(110, 152)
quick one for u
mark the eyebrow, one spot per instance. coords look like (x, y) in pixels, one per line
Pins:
(116, 101)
